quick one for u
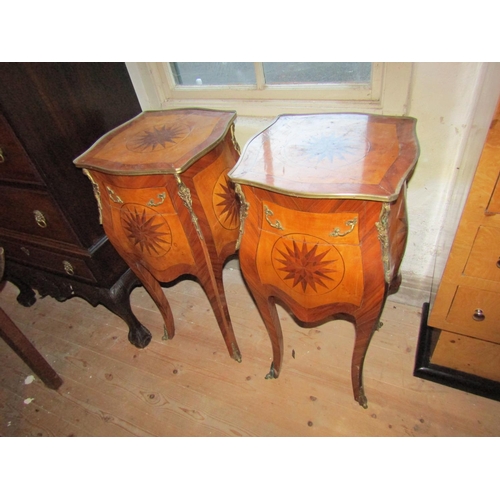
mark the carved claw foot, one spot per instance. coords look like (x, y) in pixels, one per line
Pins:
(26, 298)
(139, 336)
(272, 373)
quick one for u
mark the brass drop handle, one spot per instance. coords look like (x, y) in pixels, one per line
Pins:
(40, 218)
(114, 197)
(2, 157)
(478, 315)
(68, 268)
(269, 213)
(153, 203)
(349, 223)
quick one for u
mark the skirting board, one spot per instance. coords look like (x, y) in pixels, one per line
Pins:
(446, 376)
(413, 291)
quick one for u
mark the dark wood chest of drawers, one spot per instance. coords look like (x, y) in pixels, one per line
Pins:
(49, 114)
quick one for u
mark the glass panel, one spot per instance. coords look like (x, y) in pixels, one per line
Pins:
(317, 72)
(213, 73)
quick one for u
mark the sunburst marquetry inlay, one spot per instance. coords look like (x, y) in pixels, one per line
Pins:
(147, 230)
(307, 264)
(226, 205)
(158, 137)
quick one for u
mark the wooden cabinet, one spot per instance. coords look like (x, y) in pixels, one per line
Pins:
(49, 114)
(460, 340)
(324, 222)
(166, 204)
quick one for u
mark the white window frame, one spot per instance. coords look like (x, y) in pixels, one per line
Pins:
(387, 93)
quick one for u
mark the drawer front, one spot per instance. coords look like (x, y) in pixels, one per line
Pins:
(484, 259)
(494, 204)
(33, 212)
(67, 265)
(468, 355)
(157, 240)
(341, 228)
(15, 164)
(315, 258)
(152, 197)
(476, 313)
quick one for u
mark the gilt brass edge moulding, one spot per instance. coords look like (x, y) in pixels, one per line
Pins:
(383, 236)
(330, 196)
(185, 195)
(97, 192)
(244, 206)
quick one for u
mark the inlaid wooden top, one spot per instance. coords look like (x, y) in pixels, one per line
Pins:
(339, 155)
(158, 142)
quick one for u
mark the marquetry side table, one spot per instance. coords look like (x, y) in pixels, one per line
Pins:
(166, 204)
(323, 221)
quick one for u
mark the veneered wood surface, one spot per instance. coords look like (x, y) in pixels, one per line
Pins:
(469, 355)
(326, 225)
(175, 213)
(158, 142)
(472, 263)
(316, 276)
(339, 155)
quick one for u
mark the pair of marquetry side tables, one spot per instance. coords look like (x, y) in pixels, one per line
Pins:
(315, 205)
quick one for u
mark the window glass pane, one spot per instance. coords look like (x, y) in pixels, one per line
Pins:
(213, 73)
(317, 72)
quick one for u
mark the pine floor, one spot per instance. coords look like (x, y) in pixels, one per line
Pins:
(189, 386)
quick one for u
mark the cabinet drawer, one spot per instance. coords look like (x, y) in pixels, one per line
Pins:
(484, 259)
(33, 212)
(314, 258)
(476, 313)
(339, 228)
(62, 264)
(15, 164)
(156, 198)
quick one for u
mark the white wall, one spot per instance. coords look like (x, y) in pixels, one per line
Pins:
(453, 104)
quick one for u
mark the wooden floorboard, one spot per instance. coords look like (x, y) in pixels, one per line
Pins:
(189, 386)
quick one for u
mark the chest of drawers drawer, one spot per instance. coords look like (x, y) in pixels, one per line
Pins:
(307, 254)
(33, 212)
(60, 263)
(475, 313)
(484, 258)
(14, 162)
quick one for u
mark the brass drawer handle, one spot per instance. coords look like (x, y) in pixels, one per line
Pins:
(68, 268)
(268, 213)
(114, 197)
(350, 223)
(478, 315)
(2, 157)
(40, 218)
(161, 197)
